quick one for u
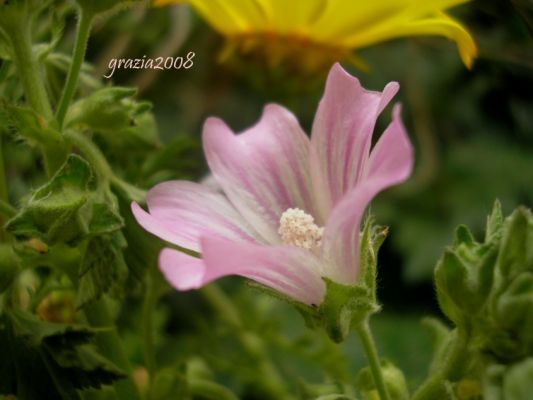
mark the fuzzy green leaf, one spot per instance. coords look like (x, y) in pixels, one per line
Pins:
(102, 268)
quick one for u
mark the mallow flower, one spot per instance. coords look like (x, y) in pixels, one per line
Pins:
(289, 209)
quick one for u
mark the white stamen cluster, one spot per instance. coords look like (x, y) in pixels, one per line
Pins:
(298, 228)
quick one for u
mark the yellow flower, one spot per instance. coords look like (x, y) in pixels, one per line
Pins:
(288, 28)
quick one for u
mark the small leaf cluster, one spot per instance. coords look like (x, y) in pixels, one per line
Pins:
(486, 290)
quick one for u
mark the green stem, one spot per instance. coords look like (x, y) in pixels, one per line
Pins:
(82, 39)
(30, 75)
(363, 330)
(92, 153)
(5, 207)
(450, 369)
(251, 343)
(29, 71)
(150, 302)
(110, 345)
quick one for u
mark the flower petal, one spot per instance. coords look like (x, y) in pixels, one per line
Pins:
(225, 16)
(264, 170)
(289, 270)
(181, 212)
(390, 163)
(342, 134)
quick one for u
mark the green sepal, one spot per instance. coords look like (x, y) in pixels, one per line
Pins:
(44, 360)
(393, 377)
(343, 307)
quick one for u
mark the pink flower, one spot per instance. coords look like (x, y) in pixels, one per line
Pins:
(290, 209)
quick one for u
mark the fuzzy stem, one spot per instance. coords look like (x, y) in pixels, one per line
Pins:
(451, 368)
(110, 345)
(28, 70)
(363, 330)
(92, 153)
(82, 39)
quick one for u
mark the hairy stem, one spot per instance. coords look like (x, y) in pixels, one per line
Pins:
(363, 330)
(29, 71)
(80, 48)
(99, 316)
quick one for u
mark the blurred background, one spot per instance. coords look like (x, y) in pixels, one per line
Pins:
(473, 132)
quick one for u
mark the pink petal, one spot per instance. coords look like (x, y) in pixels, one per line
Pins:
(289, 270)
(263, 170)
(342, 135)
(181, 212)
(390, 163)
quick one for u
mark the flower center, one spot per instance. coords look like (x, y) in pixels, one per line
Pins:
(297, 228)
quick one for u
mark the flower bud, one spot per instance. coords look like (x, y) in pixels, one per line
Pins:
(464, 275)
(394, 380)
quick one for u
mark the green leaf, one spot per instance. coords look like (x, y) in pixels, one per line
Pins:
(120, 121)
(52, 213)
(102, 268)
(9, 266)
(44, 360)
(31, 126)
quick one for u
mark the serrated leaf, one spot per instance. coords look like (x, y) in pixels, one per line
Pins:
(102, 267)
(32, 126)
(52, 213)
(45, 360)
(121, 122)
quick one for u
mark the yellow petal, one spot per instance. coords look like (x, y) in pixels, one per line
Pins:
(227, 17)
(440, 24)
(292, 16)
